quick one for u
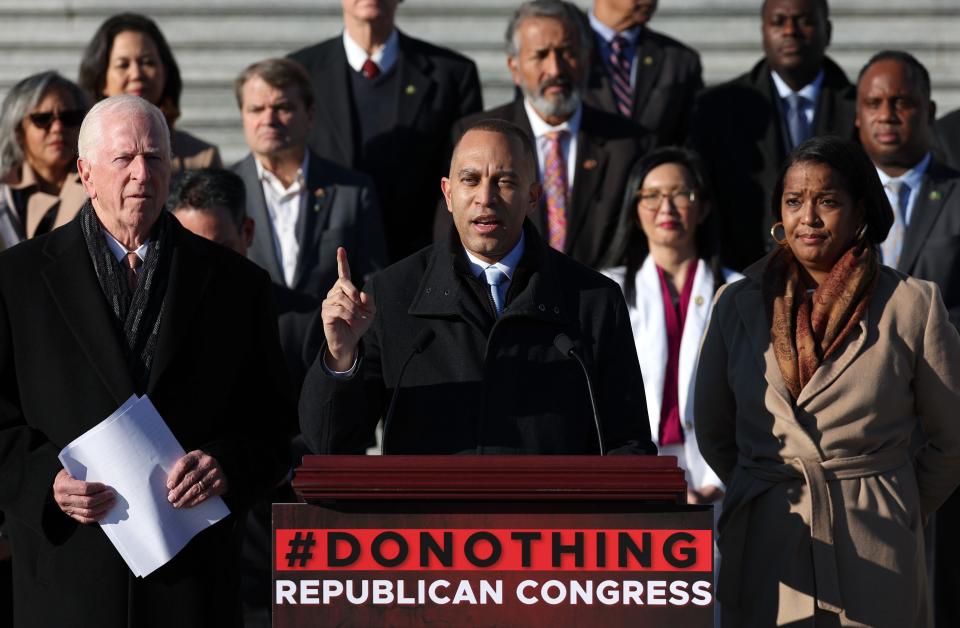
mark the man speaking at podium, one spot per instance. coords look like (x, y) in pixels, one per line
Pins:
(479, 344)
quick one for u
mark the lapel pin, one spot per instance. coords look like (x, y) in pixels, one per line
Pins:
(648, 60)
(698, 300)
(935, 195)
(410, 90)
(589, 164)
(319, 194)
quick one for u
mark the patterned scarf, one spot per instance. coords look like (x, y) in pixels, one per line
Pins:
(807, 329)
(138, 314)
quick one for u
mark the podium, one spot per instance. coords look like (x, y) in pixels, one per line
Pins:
(492, 540)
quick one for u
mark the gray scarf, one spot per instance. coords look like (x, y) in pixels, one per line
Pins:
(138, 314)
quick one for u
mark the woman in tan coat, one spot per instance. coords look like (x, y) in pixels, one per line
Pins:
(39, 185)
(827, 397)
(129, 55)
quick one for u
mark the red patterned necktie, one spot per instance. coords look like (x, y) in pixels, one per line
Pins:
(370, 69)
(133, 265)
(619, 65)
(555, 188)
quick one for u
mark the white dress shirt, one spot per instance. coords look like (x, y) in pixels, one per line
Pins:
(385, 56)
(568, 146)
(810, 93)
(120, 252)
(507, 265)
(914, 179)
(284, 205)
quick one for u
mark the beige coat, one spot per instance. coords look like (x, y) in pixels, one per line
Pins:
(65, 206)
(189, 152)
(826, 496)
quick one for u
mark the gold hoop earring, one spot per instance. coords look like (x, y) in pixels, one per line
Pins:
(773, 234)
(862, 232)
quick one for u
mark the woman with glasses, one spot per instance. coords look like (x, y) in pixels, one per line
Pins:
(129, 55)
(666, 267)
(39, 185)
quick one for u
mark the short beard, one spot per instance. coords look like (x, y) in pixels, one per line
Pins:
(561, 107)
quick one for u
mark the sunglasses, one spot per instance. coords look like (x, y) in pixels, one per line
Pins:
(43, 120)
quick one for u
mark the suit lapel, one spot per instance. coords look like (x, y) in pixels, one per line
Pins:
(772, 146)
(333, 95)
(931, 199)
(262, 251)
(189, 275)
(829, 370)
(600, 80)
(416, 86)
(590, 165)
(313, 219)
(649, 61)
(75, 289)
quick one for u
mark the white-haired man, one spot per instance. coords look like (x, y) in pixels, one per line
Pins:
(123, 300)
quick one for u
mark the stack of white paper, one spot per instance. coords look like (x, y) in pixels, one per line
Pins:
(132, 451)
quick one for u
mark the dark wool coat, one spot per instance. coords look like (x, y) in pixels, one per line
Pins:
(217, 380)
(484, 385)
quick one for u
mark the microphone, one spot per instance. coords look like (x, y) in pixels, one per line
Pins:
(565, 346)
(424, 338)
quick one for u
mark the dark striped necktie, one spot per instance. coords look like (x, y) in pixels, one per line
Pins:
(619, 65)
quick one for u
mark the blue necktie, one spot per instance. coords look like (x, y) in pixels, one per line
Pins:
(495, 277)
(797, 119)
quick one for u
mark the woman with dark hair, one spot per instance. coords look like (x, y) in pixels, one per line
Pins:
(668, 274)
(39, 185)
(826, 400)
(129, 55)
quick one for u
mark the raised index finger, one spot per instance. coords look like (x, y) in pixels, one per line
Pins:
(343, 266)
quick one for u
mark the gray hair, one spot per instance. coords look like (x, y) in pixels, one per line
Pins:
(123, 105)
(553, 9)
(20, 101)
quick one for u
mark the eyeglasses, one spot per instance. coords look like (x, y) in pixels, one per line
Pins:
(44, 119)
(653, 199)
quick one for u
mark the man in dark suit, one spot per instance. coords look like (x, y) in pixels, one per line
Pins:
(584, 154)
(640, 73)
(124, 301)
(895, 117)
(745, 128)
(385, 105)
(306, 206)
(478, 317)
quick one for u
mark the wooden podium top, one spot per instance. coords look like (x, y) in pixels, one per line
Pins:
(497, 478)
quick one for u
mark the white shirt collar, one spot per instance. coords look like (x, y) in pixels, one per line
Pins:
(507, 264)
(607, 33)
(385, 56)
(120, 252)
(272, 179)
(913, 177)
(810, 91)
(541, 128)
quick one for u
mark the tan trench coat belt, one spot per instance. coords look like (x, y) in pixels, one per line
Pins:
(815, 474)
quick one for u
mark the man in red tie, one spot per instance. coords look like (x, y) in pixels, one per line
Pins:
(583, 154)
(385, 105)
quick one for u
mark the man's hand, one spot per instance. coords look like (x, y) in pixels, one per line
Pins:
(347, 314)
(86, 502)
(195, 478)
